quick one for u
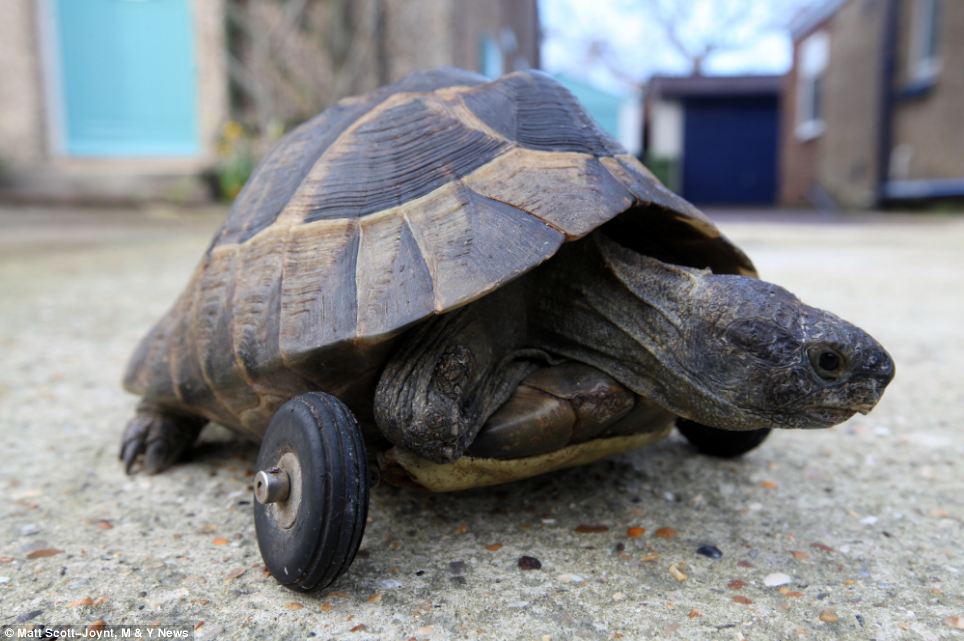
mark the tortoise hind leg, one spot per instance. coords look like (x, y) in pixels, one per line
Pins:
(161, 437)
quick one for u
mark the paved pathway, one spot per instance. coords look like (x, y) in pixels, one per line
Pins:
(864, 520)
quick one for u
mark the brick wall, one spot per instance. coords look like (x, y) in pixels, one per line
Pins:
(22, 125)
(842, 160)
(929, 124)
(798, 158)
(926, 132)
(847, 166)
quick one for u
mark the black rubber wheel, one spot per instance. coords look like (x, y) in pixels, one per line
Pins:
(309, 539)
(721, 443)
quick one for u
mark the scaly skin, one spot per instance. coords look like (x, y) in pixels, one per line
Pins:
(158, 438)
(451, 373)
(726, 351)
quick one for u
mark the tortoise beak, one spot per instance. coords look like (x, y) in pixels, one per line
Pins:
(872, 379)
(865, 408)
(866, 394)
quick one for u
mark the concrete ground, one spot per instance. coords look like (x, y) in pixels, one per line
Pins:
(849, 533)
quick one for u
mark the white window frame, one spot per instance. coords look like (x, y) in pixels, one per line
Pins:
(924, 62)
(814, 55)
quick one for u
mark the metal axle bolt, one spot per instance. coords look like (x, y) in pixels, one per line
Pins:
(271, 486)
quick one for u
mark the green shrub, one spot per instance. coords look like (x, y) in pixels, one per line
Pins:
(236, 159)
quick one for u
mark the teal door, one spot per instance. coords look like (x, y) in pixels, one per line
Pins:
(127, 77)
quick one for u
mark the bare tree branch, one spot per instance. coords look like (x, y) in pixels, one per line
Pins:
(289, 59)
(699, 29)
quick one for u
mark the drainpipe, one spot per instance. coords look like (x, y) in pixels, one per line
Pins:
(885, 131)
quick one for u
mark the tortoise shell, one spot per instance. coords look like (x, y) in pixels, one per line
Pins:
(383, 211)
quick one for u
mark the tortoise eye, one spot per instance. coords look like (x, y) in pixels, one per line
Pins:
(827, 362)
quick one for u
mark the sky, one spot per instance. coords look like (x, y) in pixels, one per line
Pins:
(638, 45)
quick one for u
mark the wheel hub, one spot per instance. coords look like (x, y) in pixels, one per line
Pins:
(279, 488)
(271, 486)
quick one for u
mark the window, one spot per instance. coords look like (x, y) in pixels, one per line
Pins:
(811, 68)
(924, 40)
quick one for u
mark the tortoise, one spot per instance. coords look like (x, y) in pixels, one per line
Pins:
(461, 282)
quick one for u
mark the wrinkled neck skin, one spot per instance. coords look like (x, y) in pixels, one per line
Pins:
(629, 323)
(726, 351)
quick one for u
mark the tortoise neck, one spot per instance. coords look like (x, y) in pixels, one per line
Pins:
(626, 314)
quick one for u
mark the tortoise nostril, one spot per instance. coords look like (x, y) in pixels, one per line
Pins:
(885, 369)
(880, 367)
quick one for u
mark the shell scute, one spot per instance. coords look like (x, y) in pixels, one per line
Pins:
(385, 210)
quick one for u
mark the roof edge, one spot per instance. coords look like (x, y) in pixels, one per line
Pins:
(809, 19)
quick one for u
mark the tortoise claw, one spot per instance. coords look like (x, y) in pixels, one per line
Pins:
(129, 453)
(159, 456)
(132, 445)
(157, 440)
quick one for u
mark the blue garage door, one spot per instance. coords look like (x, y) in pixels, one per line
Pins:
(127, 77)
(730, 150)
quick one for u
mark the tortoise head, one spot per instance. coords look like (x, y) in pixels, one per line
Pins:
(774, 359)
(735, 352)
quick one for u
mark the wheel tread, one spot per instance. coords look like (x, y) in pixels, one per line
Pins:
(340, 453)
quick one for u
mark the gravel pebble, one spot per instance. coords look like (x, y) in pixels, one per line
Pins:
(28, 616)
(390, 584)
(572, 578)
(776, 579)
(591, 529)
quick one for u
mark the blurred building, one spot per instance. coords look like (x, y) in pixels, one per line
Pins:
(715, 139)
(97, 95)
(106, 99)
(874, 102)
(618, 115)
(288, 59)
